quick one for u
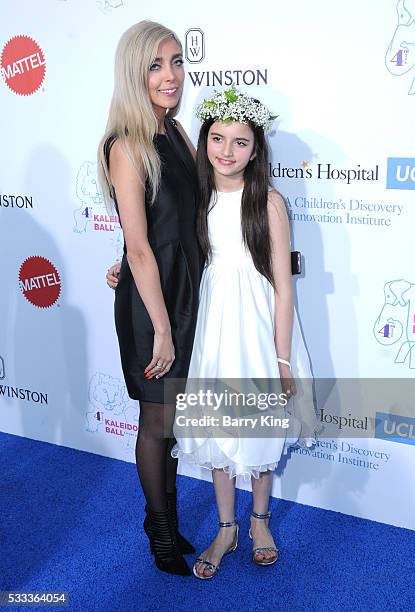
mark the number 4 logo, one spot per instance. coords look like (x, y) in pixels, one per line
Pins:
(400, 58)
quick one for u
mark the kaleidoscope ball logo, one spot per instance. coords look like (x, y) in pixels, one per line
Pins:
(39, 281)
(22, 65)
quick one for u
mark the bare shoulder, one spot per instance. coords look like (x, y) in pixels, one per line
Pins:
(276, 203)
(119, 154)
(185, 137)
(121, 162)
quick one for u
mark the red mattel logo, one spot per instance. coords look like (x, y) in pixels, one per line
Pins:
(39, 281)
(22, 65)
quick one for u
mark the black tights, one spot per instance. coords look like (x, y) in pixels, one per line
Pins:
(156, 467)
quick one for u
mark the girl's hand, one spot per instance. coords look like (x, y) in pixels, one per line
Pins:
(113, 274)
(163, 356)
(287, 380)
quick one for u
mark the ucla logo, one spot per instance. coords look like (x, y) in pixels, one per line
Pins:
(401, 173)
(194, 45)
(395, 428)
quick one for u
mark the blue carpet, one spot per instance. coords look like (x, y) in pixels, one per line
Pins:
(71, 521)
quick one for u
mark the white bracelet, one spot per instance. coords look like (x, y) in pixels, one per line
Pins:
(284, 361)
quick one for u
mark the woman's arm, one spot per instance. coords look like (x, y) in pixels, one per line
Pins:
(281, 270)
(130, 195)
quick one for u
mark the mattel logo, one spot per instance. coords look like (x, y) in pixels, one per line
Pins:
(39, 281)
(395, 428)
(401, 173)
(22, 65)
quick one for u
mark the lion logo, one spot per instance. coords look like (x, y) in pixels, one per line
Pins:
(400, 55)
(108, 398)
(396, 321)
(92, 203)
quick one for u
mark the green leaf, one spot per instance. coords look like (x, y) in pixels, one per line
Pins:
(231, 95)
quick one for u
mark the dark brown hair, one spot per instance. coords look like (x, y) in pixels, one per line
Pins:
(254, 212)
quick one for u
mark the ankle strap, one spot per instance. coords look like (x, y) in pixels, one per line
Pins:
(228, 524)
(267, 515)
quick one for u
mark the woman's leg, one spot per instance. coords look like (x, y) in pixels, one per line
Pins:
(151, 466)
(150, 452)
(261, 535)
(171, 467)
(225, 501)
(156, 467)
(171, 497)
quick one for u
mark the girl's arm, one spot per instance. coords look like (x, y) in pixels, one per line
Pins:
(113, 274)
(281, 270)
(131, 203)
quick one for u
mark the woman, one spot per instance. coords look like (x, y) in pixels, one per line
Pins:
(148, 171)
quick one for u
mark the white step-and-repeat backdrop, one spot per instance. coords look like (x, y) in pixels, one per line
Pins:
(341, 77)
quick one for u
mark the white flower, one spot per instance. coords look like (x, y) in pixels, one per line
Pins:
(233, 105)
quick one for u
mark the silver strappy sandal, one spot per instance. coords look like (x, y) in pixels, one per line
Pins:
(211, 566)
(262, 549)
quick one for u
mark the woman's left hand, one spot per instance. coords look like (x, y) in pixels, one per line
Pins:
(287, 380)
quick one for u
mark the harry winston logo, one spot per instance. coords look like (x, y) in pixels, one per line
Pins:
(194, 45)
(2, 369)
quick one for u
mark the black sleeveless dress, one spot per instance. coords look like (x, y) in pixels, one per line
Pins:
(171, 222)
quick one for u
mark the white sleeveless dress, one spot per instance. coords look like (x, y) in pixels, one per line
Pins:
(234, 339)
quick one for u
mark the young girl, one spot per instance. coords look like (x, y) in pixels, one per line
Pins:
(245, 319)
(246, 323)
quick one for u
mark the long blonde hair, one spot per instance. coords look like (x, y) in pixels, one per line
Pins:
(131, 118)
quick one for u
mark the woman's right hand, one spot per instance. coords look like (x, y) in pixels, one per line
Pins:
(163, 355)
(113, 274)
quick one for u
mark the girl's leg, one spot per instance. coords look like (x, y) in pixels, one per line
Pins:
(261, 535)
(225, 502)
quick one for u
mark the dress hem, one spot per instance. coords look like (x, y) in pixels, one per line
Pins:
(223, 462)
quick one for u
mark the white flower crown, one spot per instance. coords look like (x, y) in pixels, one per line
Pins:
(233, 105)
